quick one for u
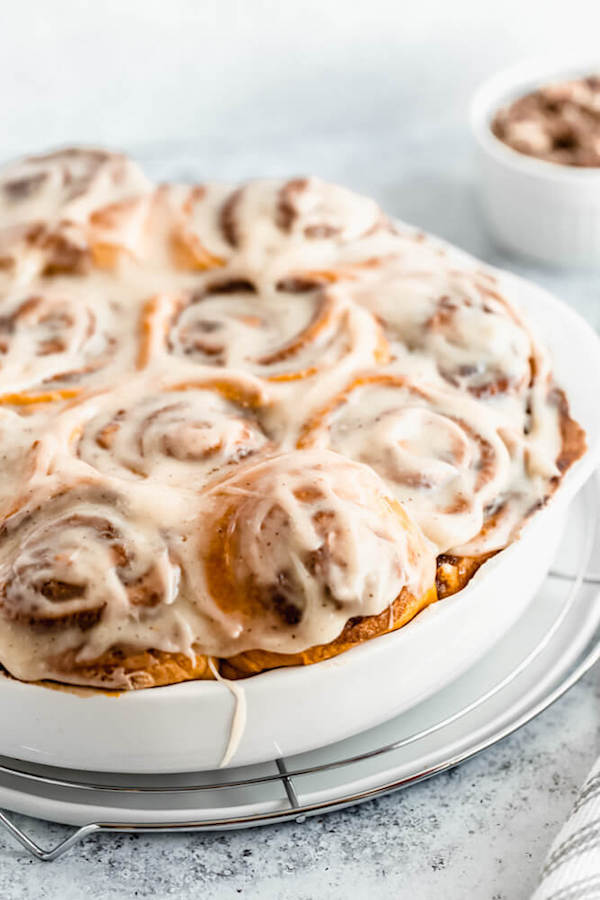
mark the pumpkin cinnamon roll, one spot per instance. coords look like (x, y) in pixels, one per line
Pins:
(467, 478)
(299, 551)
(172, 226)
(180, 433)
(186, 219)
(455, 321)
(305, 209)
(51, 344)
(46, 203)
(285, 334)
(83, 589)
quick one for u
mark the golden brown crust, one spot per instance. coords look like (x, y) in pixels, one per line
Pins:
(125, 669)
(572, 434)
(356, 631)
(454, 572)
(120, 668)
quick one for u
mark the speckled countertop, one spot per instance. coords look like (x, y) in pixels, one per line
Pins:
(478, 832)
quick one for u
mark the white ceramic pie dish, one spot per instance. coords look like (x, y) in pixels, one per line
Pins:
(187, 726)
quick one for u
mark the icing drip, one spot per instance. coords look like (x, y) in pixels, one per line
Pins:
(240, 712)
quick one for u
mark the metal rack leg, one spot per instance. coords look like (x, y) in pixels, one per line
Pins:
(289, 788)
(37, 851)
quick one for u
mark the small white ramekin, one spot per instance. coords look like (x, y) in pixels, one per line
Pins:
(538, 209)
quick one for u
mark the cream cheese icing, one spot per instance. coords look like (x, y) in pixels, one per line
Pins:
(237, 417)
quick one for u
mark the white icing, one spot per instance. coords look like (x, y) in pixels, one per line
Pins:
(240, 712)
(270, 385)
(178, 433)
(300, 532)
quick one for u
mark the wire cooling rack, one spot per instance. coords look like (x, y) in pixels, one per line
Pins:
(294, 779)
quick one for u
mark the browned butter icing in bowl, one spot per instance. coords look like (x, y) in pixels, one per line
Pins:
(558, 122)
(536, 130)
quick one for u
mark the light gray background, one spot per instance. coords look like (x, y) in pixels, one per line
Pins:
(373, 95)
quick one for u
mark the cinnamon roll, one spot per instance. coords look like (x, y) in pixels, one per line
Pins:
(46, 203)
(82, 590)
(296, 547)
(50, 342)
(214, 226)
(284, 554)
(465, 476)
(282, 335)
(173, 432)
(455, 321)
(246, 426)
(188, 218)
(173, 226)
(304, 209)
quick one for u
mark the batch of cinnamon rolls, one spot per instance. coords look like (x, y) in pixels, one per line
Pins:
(245, 427)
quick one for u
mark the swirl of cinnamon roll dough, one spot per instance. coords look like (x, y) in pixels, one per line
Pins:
(442, 455)
(179, 433)
(46, 203)
(294, 547)
(185, 219)
(269, 228)
(458, 320)
(50, 343)
(82, 590)
(274, 334)
(302, 209)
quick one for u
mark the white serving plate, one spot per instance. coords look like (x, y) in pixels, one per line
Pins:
(186, 727)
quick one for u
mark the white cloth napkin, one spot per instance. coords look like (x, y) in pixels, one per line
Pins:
(572, 868)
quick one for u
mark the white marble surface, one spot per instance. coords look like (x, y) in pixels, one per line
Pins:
(479, 831)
